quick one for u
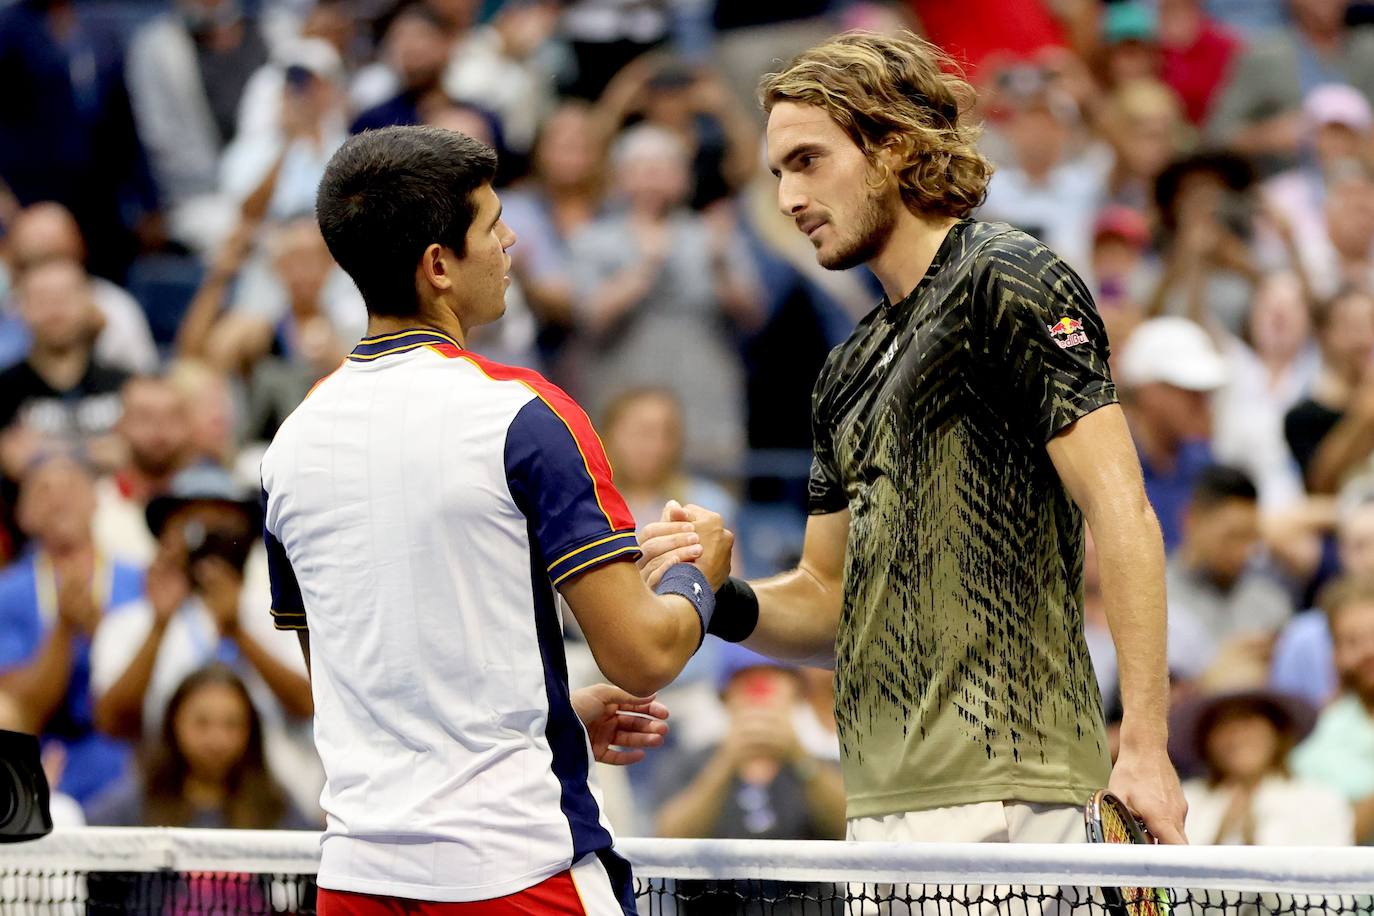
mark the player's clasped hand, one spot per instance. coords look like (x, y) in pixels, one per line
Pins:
(621, 726)
(686, 534)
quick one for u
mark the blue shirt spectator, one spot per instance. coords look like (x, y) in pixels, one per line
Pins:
(50, 602)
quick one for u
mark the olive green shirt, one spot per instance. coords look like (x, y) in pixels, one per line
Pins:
(962, 673)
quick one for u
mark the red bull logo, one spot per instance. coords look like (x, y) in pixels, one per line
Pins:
(1068, 332)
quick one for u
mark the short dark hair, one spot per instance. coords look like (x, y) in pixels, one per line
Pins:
(1219, 484)
(387, 195)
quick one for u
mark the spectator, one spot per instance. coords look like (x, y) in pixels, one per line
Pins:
(187, 72)
(199, 610)
(659, 291)
(416, 49)
(1143, 121)
(196, 611)
(326, 45)
(155, 425)
(285, 159)
(695, 105)
(1342, 252)
(1219, 579)
(643, 430)
(1259, 110)
(51, 601)
(1304, 665)
(1130, 36)
(758, 782)
(1044, 190)
(1196, 54)
(1206, 205)
(1271, 368)
(1167, 370)
(208, 769)
(60, 392)
(1247, 795)
(1331, 432)
(605, 36)
(1119, 275)
(48, 232)
(215, 414)
(69, 135)
(1340, 751)
(564, 193)
(498, 67)
(280, 352)
(1337, 123)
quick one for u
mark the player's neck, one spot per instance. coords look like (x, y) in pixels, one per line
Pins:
(909, 252)
(444, 323)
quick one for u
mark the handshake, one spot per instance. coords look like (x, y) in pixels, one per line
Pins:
(686, 534)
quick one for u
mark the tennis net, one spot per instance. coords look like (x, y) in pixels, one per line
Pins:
(219, 872)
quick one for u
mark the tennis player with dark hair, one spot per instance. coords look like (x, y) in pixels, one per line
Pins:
(422, 506)
(961, 435)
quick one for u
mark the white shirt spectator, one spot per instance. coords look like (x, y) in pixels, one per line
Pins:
(1287, 812)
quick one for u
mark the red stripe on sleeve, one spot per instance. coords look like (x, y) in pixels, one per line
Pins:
(574, 417)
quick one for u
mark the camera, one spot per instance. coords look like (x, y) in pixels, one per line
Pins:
(24, 813)
(232, 545)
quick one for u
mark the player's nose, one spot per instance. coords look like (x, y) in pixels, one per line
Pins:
(791, 200)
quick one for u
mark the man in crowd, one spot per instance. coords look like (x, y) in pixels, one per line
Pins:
(46, 232)
(1217, 582)
(155, 425)
(1167, 370)
(197, 610)
(51, 601)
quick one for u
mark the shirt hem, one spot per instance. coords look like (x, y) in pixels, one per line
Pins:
(438, 893)
(949, 796)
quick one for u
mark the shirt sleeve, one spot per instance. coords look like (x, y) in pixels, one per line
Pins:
(1043, 336)
(288, 609)
(824, 487)
(560, 478)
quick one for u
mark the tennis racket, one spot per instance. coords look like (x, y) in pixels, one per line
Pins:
(1110, 821)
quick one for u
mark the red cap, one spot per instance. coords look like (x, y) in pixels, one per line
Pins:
(1123, 222)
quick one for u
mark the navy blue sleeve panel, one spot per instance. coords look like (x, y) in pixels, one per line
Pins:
(560, 478)
(288, 609)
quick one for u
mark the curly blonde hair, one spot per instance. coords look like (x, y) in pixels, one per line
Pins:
(899, 92)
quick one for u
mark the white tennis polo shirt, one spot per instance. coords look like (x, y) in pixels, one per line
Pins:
(421, 506)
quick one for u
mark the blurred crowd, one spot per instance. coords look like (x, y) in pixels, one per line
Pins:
(166, 300)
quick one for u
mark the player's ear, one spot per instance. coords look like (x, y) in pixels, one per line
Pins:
(436, 267)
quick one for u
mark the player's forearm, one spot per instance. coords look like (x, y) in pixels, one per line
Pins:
(693, 812)
(799, 613)
(119, 711)
(1130, 555)
(39, 686)
(288, 686)
(1347, 445)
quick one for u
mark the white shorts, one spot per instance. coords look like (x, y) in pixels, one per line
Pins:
(983, 822)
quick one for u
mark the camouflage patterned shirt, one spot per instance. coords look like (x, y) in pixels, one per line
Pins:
(962, 674)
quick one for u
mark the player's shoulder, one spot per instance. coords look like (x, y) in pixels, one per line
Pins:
(996, 246)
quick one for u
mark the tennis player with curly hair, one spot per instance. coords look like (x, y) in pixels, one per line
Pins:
(961, 435)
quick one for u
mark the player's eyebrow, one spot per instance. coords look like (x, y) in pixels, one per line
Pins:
(805, 149)
(500, 208)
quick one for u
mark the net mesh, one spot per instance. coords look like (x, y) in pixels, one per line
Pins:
(209, 873)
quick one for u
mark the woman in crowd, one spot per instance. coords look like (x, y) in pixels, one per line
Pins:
(208, 769)
(1246, 794)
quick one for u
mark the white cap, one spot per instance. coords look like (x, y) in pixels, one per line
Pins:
(316, 55)
(1337, 103)
(1174, 351)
